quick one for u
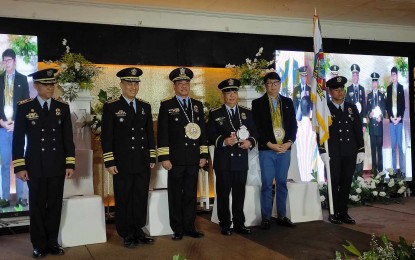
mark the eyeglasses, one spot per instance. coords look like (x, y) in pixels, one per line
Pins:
(8, 61)
(274, 83)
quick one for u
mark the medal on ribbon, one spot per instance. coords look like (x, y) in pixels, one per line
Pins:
(279, 134)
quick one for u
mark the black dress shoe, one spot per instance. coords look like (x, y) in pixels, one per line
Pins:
(286, 222)
(129, 242)
(226, 231)
(142, 237)
(243, 230)
(39, 253)
(345, 218)
(177, 236)
(56, 250)
(194, 234)
(265, 224)
(335, 219)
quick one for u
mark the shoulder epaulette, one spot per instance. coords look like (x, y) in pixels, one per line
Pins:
(112, 100)
(60, 100)
(245, 107)
(143, 101)
(215, 108)
(24, 101)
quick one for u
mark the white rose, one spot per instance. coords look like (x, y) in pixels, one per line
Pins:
(381, 173)
(382, 194)
(373, 185)
(364, 185)
(391, 183)
(375, 193)
(400, 183)
(378, 176)
(322, 198)
(360, 179)
(358, 190)
(401, 190)
(64, 41)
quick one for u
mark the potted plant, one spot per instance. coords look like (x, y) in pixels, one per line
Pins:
(75, 73)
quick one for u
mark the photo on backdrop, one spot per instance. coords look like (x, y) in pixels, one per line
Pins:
(369, 87)
(19, 59)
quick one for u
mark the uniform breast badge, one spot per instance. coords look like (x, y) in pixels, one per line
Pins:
(58, 111)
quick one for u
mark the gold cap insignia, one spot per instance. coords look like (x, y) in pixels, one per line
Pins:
(230, 82)
(182, 72)
(134, 71)
(339, 79)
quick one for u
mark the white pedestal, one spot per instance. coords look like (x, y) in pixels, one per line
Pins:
(158, 222)
(82, 221)
(246, 94)
(303, 202)
(82, 181)
(252, 207)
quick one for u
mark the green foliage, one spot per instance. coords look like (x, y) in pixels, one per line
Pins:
(384, 250)
(23, 46)
(251, 72)
(401, 64)
(179, 257)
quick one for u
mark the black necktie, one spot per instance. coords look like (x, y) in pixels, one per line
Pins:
(184, 104)
(340, 109)
(232, 113)
(132, 107)
(45, 109)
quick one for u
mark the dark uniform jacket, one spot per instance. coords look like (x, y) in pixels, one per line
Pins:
(304, 102)
(20, 92)
(375, 127)
(346, 135)
(127, 138)
(229, 158)
(172, 142)
(357, 96)
(50, 148)
(400, 102)
(263, 122)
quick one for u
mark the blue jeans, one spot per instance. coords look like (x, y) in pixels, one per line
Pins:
(396, 139)
(276, 166)
(6, 139)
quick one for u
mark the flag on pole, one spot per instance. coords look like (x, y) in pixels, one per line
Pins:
(321, 112)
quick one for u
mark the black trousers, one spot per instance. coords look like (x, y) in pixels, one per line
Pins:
(45, 200)
(182, 193)
(341, 170)
(376, 143)
(131, 200)
(225, 182)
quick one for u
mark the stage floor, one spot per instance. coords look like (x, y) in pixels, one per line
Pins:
(311, 240)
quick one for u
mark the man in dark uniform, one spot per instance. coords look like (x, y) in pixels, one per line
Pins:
(182, 149)
(346, 148)
(129, 152)
(375, 112)
(301, 96)
(48, 159)
(395, 106)
(13, 88)
(275, 122)
(356, 95)
(232, 130)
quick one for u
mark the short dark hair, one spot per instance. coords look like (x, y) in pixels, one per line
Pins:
(271, 75)
(9, 53)
(394, 70)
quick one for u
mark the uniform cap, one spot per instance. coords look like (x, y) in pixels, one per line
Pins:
(336, 82)
(45, 76)
(229, 85)
(181, 74)
(130, 74)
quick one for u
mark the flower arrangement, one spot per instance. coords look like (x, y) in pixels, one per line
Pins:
(365, 191)
(383, 250)
(252, 71)
(75, 73)
(96, 111)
